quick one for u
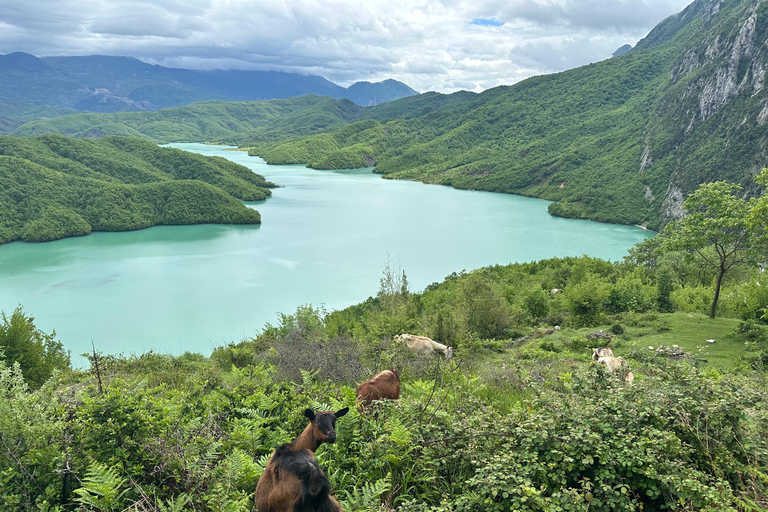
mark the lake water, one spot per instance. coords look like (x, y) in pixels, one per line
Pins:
(325, 240)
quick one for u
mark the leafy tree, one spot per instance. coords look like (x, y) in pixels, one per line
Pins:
(722, 228)
(484, 307)
(37, 353)
(664, 288)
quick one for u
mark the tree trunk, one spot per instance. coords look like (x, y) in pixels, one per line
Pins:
(717, 291)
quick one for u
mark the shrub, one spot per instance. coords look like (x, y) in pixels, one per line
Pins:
(692, 299)
(579, 343)
(338, 359)
(536, 304)
(484, 307)
(550, 346)
(664, 288)
(37, 353)
(749, 300)
(629, 294)
(586, 300)
(618, 448)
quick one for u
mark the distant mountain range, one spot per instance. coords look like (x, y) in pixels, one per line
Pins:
(100, 83)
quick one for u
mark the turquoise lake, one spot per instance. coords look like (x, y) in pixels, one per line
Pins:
(325, 239)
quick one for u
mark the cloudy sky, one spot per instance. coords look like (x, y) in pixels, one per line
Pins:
(440, 45)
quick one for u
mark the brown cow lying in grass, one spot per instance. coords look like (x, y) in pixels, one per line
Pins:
(385, 384)
(293, 480)
(424, 346)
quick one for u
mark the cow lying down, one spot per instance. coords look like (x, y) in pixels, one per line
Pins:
(382, 385)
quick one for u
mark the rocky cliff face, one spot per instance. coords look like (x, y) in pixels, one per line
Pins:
(710, 125)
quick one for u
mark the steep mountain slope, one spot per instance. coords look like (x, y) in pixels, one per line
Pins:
(711, 123)
(623, 140)
(55, 187)
(100, 83)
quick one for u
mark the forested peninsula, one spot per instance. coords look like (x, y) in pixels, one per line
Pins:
(53, 187)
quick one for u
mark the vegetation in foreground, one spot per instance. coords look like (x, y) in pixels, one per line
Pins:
(55, 187)
(520, 419)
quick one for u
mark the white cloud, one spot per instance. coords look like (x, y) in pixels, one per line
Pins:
(429, 45)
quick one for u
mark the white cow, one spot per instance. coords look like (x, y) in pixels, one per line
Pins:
(615, 364)
(597, 353)
(424, 346)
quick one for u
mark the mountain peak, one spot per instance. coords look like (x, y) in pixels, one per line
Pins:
(373, 93)
(622, 50)
(20, 61)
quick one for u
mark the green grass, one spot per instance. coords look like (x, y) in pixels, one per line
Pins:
(552, 356)
(690, 332)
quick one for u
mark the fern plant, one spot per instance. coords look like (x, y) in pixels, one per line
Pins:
(367, 498)
(102, 488)
(240, 470)
(174, 505)
(261, 465)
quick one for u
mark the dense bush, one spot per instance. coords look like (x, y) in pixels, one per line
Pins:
(692, 298)
(676, 439)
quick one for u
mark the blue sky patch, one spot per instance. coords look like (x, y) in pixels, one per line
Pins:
(486, 22)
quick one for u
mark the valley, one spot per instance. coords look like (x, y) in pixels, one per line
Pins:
(324, 239)
(194, 263)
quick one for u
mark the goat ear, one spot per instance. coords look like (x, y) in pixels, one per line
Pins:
(342, 412)
(309, 413)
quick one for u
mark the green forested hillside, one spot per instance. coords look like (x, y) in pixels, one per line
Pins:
(54, 187)
(623, 140)
(238, 123)
(15, 113)
(212, 121)
(573, 137)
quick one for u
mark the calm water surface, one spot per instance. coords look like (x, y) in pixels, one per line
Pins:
(325, 239)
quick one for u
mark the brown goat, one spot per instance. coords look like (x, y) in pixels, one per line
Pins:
(385, 384)
(293, 480)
